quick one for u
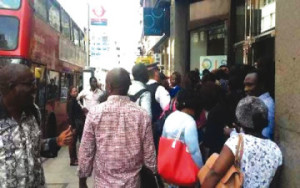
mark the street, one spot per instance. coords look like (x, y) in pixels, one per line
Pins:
(59, 174)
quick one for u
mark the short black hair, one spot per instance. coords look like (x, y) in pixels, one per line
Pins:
(93, 78)
(140, 73)
(187, 98)
(177, 77)
(119, 80)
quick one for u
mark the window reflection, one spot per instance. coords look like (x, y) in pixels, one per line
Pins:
(10, 4)
(9, 29)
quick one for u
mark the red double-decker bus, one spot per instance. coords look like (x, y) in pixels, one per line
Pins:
(42, 35)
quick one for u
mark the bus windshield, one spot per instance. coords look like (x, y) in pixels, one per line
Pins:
(10, 4)
(9, 29)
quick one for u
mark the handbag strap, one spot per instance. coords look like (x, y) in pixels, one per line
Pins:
(177, 137)
(239, 152)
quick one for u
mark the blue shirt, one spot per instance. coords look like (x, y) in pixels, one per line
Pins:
(174, 91)
(178, 121)
(269, 102)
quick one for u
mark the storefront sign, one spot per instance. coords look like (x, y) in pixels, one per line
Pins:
(212, 62)
(153, 21)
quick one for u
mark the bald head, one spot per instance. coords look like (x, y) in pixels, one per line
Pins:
(117, 82)
(10, 74)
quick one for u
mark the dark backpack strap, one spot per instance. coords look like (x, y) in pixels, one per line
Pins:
(138, 94)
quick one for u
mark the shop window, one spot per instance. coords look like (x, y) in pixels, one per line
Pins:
(40, 7)
(65, 24)
(54, 17)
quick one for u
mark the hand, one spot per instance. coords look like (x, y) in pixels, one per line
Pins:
(82, 183)
(85, 110)
(65, 138)
(227, 130)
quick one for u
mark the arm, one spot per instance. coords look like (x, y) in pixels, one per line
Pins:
(219, 169)
(80, 96)
(148, 147)
(70, 111)
(146, 102)
(191, 140)
(162, 96)
(87, 150)
(51, 146)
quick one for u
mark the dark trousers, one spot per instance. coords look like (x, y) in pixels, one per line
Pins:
(76, 136)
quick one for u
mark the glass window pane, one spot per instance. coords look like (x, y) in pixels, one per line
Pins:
(9, 29)
(54, 19)
(82, 41)
(10, 4)
(76, 36)
(40, 8)
(65, 24)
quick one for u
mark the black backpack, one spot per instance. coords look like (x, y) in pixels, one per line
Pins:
(135, 97)
(158, 126)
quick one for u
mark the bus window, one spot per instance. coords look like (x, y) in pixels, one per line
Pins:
(9, 29)
(76, 36)
(41, 8)
(52, 87)
(10, 4)
(82, 41)
(54, 18)
(66, 82)
(65, 21)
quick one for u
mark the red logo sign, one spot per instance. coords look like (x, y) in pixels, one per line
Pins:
(99, 12)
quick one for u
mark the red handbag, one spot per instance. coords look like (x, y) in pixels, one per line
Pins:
(175, 163)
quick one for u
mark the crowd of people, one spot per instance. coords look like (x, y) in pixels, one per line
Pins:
(119, 127)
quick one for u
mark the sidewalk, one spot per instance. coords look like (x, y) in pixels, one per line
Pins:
(59, 173)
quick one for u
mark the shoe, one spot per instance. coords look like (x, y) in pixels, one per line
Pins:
(74, 163)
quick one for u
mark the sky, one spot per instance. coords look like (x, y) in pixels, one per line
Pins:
(123, 18)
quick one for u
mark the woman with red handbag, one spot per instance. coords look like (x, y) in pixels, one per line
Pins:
(179, 156)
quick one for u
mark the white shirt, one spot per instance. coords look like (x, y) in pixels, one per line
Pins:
(260, 160)
(162, 96)
(145, 99)
(90, 98)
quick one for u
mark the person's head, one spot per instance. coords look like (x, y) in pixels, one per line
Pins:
(93, 83)
(191, 80)
(205, 72)
(164, 80)
(73, 92)
(17, 85)
(117, 82)
(210, 77)
(210, 95)
(253, 85)
(153, 72)
(224, 68)
(175, 79)
(252, 114)
(140, 73)
(187, 98)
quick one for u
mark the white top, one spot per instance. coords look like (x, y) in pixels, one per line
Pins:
(162, 96)
(90, 98)
(145, 99)
(260, 160)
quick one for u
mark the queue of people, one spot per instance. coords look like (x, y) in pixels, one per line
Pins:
(119, 129)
